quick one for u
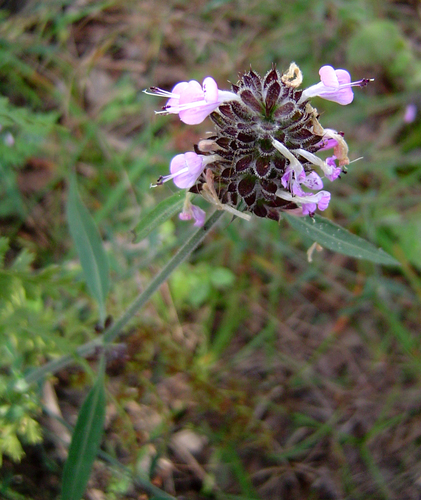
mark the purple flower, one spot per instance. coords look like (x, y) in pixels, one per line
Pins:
(191, 101)
(312, 181)
(193, 212)
(410, 113)
(335, 85)
(185, 169)
(319, 200)
(309, 202)
(327, 143)
(332, 172)
(329, 167)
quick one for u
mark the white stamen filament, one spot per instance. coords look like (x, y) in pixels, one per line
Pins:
(166, 178)
(295, 164)
(161, 93)
(311, 198)
(315, 160)
(234, 211)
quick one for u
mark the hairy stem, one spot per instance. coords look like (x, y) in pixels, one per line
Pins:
(116, 328)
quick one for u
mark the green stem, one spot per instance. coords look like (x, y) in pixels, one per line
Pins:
(115, 329)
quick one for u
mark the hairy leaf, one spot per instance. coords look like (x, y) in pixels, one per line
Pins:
(163, 211)
(338, 239)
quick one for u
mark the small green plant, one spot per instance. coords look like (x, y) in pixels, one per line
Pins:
(19, 410)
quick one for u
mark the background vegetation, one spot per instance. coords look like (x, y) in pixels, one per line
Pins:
(252, 374)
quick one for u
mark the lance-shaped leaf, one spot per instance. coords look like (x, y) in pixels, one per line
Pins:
(89, 247)
(338, 239)
(163, 211)
(85, 442)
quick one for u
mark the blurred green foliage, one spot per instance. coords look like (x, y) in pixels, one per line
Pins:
(19, 408)
(22, 135)
(301, 377)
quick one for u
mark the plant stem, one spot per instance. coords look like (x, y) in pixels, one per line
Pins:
(115, 329)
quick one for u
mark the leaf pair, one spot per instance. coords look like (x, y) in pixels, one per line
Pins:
(90, 423)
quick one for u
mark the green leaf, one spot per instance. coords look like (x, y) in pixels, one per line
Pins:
(89, 247)
(163, 211)
(338, 239)
(85, 442)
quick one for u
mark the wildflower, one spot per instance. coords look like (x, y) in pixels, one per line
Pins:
(312, 181)
(333, 172)
(309, 202)
(340, 149)
(185, 169)
(262, 157)
(410, 113)
(335, 85)
(9, 140)
(327, 143)
(191, 101)
(328, 167)
(191, 211)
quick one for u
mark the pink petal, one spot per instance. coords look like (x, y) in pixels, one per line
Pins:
(179, 87)
(185, 216)
(193, 92)
(210, 90)
(196, 115)
(328, 76)
(324, 200)
(308, 208)
(343, 76)
(199, 216)
(313, 181)
(174, 101)
(193, 165)
(328, 144)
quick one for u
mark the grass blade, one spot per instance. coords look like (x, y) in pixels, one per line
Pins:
(85, 442)
(338, 239)
(89, 247)
(163, 211)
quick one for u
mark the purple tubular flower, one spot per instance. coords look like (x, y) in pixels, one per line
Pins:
(335, 85)
(191, 101)
(327, 143)
(410, 113)
(332, 172)
(308, 201)
(193, 212)
(312, 181)
(185, 169)
(262, 157)
(320, 200)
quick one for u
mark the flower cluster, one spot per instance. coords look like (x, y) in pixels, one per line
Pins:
(262, 158)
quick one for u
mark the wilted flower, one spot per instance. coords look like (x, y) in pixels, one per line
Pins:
(262, 157)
